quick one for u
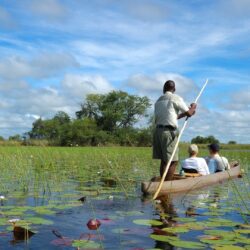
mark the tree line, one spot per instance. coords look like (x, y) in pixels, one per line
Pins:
(102, 119)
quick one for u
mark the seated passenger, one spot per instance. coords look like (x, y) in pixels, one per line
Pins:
(194, 164)
(215, 162)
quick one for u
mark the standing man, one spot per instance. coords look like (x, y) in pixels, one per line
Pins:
(168, 109)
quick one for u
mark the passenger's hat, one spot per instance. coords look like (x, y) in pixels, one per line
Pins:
(214, 147)
(193, 148)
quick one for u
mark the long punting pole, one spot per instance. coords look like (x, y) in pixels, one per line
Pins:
(176, 145)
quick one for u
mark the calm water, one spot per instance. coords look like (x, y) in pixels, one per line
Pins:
(51, 209)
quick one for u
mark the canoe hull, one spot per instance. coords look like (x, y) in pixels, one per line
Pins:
(192, 183)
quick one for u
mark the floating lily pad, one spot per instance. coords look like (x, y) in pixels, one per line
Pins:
(13, 213)
(194, 225)
(148, 222)
(86, 244)
(43, 210)
(38, 220)
(175, 230)
(245, 225)
(224, 222)
(184, 219)
(243, 240)
(242, 231)
(219, 242)
(163, 238)
(187, 244)
(221, 233)
(229, 248)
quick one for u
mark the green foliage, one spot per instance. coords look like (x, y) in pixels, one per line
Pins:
(232, 142)
(204, 140)
(16, 137)
(116, 109)
(103, 120)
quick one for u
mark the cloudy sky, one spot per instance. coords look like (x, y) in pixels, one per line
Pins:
(55, 52)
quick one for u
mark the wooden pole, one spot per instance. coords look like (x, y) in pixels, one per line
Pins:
(176, 146)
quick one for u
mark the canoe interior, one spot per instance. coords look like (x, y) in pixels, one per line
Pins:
(191, 183)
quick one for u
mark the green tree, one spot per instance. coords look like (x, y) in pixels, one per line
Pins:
(114, 110)
(16, 137)
(204, 140)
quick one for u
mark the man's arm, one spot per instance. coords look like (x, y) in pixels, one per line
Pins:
(188, 113)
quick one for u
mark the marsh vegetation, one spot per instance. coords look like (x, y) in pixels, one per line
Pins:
(50, 197)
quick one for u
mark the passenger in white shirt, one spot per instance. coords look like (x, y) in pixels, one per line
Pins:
(194, 164)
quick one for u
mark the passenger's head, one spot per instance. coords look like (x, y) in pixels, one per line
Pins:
(169, 86)
(193, 150)
(213, 148)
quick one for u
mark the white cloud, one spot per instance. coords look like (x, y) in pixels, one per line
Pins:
(240, 100)
(81, 85)
(153, 85)
(43, 65)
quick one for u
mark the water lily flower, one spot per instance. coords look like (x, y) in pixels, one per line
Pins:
(93, 224)
(157, 201)
(111, 197)
(2, 197)
(14, 221)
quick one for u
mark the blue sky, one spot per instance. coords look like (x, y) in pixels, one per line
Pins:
(55, 52)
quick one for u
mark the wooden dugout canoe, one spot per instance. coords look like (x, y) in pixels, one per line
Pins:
(190, 183)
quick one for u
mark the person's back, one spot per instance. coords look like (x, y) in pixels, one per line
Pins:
(194, 163)
(212, 164)
(215, 162)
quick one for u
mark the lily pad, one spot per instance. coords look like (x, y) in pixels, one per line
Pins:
(221, 233)
(242, 231)
(243, 240)
(38, 220)
(228, 248)
(184, 219)
(148, 222)
(44, 210)
(86, 244)
(175, 230)
(219, 242)
(187, 244)
(163, 238)
(224, 222)
(194, 225)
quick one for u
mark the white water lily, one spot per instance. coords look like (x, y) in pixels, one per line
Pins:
(111, 197)
(2, 197)
(213, 205)
(13, 221)
(157, 201)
